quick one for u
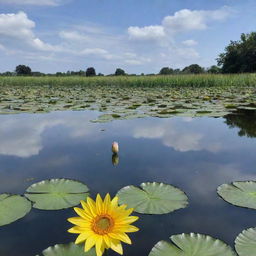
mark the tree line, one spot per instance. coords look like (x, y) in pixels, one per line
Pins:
(238, 57)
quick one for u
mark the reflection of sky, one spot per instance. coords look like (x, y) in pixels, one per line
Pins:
(196, 155)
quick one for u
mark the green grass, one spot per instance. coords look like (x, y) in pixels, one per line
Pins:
(204, 80)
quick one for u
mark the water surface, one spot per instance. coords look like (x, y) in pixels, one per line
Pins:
(195, 154)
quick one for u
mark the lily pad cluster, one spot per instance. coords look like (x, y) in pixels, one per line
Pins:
(149, 198)
(54, 194)
(180, 245)
(57, 194)
(127, 102)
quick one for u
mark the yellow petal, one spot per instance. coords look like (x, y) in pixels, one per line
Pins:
(90, 242)
(79, 221)
(85, 206)
(107, 240)
(121, 236)
(92, 206)
(131, 228)
(127, 220)
(78, 230)
(82, 213)
(106, 202)
(99, 204)
(114, 202)
(82, 237)
(99, 246)
(116, 246)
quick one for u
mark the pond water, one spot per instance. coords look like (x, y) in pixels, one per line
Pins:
(195, 154)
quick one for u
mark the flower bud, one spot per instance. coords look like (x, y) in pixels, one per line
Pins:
(115, 147)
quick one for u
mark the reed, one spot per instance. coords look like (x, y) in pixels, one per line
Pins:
(202, 80)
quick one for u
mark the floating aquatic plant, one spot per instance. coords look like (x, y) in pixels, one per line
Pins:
(245, 243)
(192, 244)
(12, 208)
(153, 198)
(240, 193)
(56, 194)
(67, 250)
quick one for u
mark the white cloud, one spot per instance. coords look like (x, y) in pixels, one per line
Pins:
(181, 139)
(74, 36)
(22, 135)
(185, 20)
(32, 2)
(18, 38)
(182, 21)
(146, 33)
(190, 42)
(17, 30)
(98, 52)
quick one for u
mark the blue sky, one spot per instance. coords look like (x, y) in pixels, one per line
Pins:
(136, 35)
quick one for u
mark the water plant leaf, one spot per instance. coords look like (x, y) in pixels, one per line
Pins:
(56, 194)
(192, 244)
(240, 193)
(153, 198)
(245, 243)
(67, 250)
(12, 208)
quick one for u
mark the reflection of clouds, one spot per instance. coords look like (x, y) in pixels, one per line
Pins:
(20, 135)
(205, 183)
(178, 135)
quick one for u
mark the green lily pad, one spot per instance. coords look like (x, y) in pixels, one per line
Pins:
(192, 245)
(67, 250)
(56, 194)
(245, 243)
(153, 198)
(241, 193)
(12, 208)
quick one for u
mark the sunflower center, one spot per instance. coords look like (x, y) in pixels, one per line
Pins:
(103, 224)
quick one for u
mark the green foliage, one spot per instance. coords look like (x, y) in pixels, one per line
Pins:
(119, 72)
(67, 250)
(23, 70)
(193, 69)
(166, 71)
(153, 198)
(240, 193)
(245, 243)
(56, 194)
(192, 245)
(239, 56)
(214, 70)
(90, 72)
(12, 208)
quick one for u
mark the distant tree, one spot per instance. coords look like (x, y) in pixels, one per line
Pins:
(214, 70)
(100, 74)
(36, 73)
(176, 71)
(90, 72)
(23, 70)
(239, 56)
(7, 73)
(193, 69)
(120, 72)
(166, 71)
(142, 74)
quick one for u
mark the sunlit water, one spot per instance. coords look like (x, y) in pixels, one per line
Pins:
(196, 155)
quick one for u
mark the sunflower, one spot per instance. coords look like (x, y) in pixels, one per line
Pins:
(103, 224)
